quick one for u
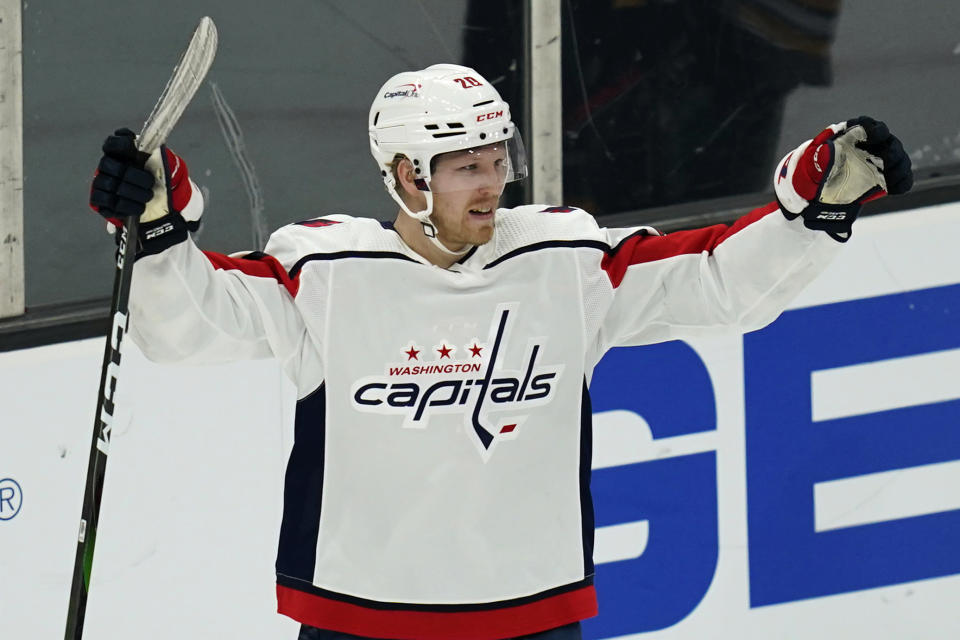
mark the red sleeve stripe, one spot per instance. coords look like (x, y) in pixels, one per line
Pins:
(490, 624)
(641, 248)
(256, 264)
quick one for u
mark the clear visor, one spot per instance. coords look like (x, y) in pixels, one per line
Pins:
(487, 168)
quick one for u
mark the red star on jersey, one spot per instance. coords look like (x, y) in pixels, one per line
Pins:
(475, 350)
(444, 351)
(412, 354)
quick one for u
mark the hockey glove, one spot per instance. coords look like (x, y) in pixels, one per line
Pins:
(828, 179)
(156, 187)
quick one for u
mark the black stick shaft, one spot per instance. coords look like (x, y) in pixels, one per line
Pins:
(102, 426)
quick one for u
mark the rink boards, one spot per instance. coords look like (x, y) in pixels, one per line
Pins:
(800, 481)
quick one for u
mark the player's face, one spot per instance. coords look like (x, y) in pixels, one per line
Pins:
(466, 189)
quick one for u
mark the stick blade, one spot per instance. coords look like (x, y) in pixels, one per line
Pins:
(182, 85)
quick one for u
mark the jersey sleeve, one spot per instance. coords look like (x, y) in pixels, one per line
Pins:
(194, 306)
(690, 283)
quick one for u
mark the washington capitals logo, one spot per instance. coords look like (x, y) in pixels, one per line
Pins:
(476, 385)
(403, 91)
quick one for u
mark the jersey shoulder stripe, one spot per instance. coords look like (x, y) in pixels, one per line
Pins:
(334, 236)
(339, 255)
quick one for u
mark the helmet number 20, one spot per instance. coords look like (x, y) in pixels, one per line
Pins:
(468, 82)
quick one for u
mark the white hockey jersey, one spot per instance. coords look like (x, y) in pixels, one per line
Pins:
(439, 483)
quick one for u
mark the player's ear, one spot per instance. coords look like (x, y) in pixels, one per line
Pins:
(406, 177)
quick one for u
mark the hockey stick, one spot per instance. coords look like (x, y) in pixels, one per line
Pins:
(183, 83)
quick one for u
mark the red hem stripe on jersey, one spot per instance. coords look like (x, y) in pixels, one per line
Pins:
(640, 248)
(256, 264)
(540, 615)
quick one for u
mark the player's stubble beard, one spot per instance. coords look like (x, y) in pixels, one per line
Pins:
(464, 229)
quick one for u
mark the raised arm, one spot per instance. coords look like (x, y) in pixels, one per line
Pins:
(187, 305)
(742, 276)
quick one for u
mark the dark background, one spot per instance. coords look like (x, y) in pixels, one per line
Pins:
(300, 75)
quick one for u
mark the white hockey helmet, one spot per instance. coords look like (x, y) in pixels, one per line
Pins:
(443, 108)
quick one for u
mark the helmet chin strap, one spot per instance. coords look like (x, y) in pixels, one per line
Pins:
(429, 230)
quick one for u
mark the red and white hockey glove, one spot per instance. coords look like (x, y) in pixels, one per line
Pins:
(156, 187)
(828, 179)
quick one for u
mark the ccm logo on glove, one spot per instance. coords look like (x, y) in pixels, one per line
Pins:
(828, 179)
(156, 187)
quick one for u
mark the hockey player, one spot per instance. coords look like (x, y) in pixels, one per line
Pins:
(438, 486)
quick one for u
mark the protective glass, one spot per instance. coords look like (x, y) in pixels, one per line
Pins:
(486, 168)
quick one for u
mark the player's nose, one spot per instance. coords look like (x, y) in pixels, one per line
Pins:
(491, 183)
